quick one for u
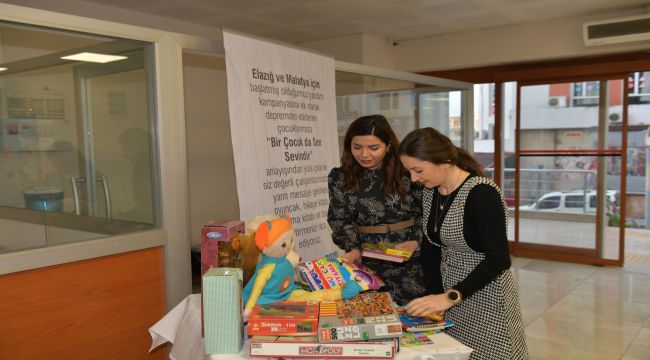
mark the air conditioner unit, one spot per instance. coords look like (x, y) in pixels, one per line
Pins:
(614, 117)
(557, 101)
(619, 30)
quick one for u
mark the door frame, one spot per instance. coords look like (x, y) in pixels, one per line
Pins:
(573, 254)
(547, 71)
(83, 76)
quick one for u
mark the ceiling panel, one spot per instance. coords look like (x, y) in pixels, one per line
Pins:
(307, 20)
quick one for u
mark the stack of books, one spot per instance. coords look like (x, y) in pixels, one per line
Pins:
(420, 330)
(411, 339)
(385, 251)
(412, 323)
(364, 327)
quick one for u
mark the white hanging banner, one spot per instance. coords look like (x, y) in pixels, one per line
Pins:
(285, 141)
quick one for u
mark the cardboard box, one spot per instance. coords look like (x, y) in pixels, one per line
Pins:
(216, 249)
(284, 318)
(367, 316)
(222, 311)
(311, 348)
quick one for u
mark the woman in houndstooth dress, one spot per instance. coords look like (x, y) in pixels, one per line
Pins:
(465, 220)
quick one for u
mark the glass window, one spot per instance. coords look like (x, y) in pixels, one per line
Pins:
(638, 88)
(406, 105)
(592, 201)
(484, 97)
(586, 93)
(574, 201)
(551, 202)
(76, 137)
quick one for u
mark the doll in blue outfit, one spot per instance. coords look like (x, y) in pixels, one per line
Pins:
(273, 280)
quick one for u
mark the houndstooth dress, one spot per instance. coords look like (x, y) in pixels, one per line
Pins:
(489, 321)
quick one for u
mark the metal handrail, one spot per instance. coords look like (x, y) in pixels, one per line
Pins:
(107, 198)
(585, 174)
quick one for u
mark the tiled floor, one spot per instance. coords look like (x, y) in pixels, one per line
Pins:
(585, 312)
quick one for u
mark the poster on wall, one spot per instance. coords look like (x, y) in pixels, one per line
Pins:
(283, 127)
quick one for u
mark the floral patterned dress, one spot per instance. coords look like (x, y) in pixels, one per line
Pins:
(369, 207)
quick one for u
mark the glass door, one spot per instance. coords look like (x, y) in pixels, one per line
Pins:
(115, 110)
(568, 178)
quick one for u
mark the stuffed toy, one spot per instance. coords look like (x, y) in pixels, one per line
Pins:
(244, 245)
(273, 280)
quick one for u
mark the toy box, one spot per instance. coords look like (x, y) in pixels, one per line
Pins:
(310, 348)
(284, 318)
(222, 304)
(216, 249)
(367, 316)
(324, 273)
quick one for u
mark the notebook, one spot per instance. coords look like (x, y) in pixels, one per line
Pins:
(413, 323)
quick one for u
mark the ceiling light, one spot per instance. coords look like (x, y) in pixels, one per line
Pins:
(93, 57)
(2, 69)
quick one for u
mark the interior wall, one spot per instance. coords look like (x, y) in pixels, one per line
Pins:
(344, 48)
(364, 49)
(210, 162)
(547, 40)
(94, 309)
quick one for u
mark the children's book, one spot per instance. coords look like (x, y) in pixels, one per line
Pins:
(385, 251)
(367, 316)
(284, 318)
(310, 347)
(412, 323)
(326, 274)
(417, 338)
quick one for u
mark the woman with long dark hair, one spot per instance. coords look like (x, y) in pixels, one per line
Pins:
(465, 230)
(372, 201)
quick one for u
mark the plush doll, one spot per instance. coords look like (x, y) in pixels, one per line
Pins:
(245, 245)
(273, 278)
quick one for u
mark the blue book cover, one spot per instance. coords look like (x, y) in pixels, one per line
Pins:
(413, 323)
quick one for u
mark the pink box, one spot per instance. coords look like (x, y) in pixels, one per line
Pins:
(211, 237)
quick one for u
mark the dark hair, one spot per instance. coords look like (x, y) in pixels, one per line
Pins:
(428, 144)
(378, 126)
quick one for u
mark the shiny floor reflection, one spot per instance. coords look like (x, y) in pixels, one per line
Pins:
(585, 312)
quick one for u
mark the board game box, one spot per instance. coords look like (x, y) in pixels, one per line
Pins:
(284, 318)
(310, 348)
(367, 316)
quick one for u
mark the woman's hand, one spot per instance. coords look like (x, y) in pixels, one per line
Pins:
(429, 305)
(352, 256)
(409, 245)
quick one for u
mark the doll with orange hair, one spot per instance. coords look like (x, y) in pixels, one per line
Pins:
(274, 275)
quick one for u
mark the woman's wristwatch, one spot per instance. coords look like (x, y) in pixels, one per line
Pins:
(454, 296)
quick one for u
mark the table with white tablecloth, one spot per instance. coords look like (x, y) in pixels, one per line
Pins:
(182, 327)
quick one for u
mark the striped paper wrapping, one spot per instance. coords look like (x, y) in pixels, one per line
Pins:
(222, 310)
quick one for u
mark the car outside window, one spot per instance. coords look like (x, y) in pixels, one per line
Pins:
(592, 201)
(574, 201)
(550, 202)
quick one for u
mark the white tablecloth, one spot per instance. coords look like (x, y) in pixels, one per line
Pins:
(182, 328)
